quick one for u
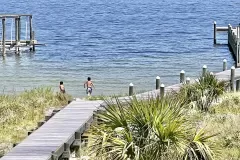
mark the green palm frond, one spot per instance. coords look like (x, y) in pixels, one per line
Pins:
(198, 149)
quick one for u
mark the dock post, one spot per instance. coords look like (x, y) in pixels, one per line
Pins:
(77, 144)
(19, 29)
(66, 152)
(33, 41)
(215, 32)
(131, 89)
(30, 28)
(162, 90)
(232, 78)
(182, 76)
(16, 35)
(237, 85)
(204, 70)
(229, 32)
(188, 80)
(157, 82)
(3, 36)
(224, 65)
(54, 156)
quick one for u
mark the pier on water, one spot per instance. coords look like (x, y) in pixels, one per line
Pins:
(14, 32)
(62, 133)
(233, 40)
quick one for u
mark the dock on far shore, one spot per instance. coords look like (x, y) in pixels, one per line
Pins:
(17, 43)
(233, 40)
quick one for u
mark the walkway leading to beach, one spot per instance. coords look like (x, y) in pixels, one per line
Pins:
(52, 140)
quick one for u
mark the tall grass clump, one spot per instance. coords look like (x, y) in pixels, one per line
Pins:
(20, 113)
(147, 129)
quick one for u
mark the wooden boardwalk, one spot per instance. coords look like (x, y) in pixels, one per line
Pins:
(52, 140)
(60, 129)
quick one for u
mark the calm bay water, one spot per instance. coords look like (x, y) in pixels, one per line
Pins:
(117, 42)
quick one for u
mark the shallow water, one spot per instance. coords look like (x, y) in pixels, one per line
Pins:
(117, 42)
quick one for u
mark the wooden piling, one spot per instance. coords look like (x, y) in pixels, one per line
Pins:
(204, 70)
(162, 90)
(66, 152)
(229, 32)
(77, 144)
(157, 82)
(54, 156)
(33, 41)
(16, 35)
(224, 64)
(131, 89)
(237, 85)
(215, 32)
(30, 29)
(232, 78)
(182, 76)
(19, 28)
(3, 36)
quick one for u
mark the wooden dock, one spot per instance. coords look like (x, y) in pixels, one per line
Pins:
(53, 140)
(57, 135)
(233, 40)
(17, 43)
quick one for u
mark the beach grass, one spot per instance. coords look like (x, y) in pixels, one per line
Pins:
(19, 113)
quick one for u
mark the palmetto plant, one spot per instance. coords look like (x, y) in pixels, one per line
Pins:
(203, 92)
(152, 129)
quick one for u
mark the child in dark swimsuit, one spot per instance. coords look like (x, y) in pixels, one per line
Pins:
(89, 85)
(61, 87)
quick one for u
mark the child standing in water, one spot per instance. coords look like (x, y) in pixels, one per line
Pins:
(61, 87)
(89, 85)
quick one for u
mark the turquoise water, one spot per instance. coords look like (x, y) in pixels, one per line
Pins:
(117, 42)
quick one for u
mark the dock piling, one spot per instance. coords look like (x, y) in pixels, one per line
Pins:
(77, 143)
(157, 82)
(232, 78)
(54, 156)
(19, 28)
(16, 35)
(66, 152)
(33, 41)
(237, 85)
(16, 43)
(30, 29)
(3, 36)
(130, 89)
(182, 76)
(214, 32)
(162, 90)
(204, 70)
(224, 64)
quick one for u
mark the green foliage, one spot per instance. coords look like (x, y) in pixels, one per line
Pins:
(203, 92)
(146, 129)
(20, 113)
